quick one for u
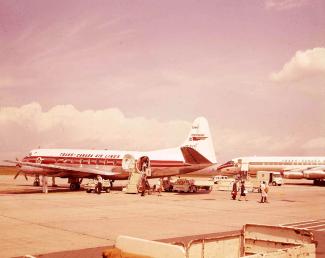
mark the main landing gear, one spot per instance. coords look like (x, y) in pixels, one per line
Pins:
(36, 181)
(319, 182)
(75, 183)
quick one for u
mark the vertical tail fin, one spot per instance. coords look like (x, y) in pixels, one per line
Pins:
(200, 139)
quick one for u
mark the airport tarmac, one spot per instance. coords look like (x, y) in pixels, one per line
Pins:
(36, 223)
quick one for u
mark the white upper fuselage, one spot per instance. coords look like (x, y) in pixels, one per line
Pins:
(113, 155)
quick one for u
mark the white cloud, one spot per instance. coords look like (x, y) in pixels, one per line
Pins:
(284, 4)
(304, 64)
(27, 127)
(64, 126)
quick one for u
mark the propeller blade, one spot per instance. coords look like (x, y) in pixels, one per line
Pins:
(17, 164)
(26, 177)
(17, 174)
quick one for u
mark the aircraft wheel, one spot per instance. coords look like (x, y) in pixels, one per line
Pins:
(274, 183)
(73, 186)
(88, 191)
(107, 190)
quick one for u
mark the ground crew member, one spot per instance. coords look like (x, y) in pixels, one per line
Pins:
(99, 185)
(160, 187)
(44, 184)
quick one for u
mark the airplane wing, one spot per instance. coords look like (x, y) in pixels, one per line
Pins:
(57, 169)
(301, 169)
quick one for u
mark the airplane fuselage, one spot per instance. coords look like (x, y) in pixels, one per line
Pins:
(290, 167)
(167, 162)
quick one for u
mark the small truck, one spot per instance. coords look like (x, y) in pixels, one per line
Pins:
(91, 186)
(271, 178)
(192, 185)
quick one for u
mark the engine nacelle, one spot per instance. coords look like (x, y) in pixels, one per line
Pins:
(314, 174)
(293, 175)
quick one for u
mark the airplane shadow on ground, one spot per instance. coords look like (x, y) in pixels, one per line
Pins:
(28, 189)
(305, 184)
(197, 193)
(35, 190)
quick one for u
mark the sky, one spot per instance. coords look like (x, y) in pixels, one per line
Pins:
(135, 74)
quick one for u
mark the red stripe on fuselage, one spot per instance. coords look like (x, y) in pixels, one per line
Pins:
(114, 162)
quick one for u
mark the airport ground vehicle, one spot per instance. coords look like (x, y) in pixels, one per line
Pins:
(192, 185)
(252, 241)
(91, 186)
(168, 184)
(216, 179)
(271, 178)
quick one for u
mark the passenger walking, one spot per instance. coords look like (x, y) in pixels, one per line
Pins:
(243, 191)
(264, 190)
(160, 186)
(143, 184)
(99, 185)
(234, 190)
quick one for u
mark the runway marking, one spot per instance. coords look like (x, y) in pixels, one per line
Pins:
(314, 225)
(302, 222)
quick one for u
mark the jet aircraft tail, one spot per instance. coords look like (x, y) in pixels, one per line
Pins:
(200, 140)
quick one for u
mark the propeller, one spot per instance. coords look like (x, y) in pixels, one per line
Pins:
(19, 171)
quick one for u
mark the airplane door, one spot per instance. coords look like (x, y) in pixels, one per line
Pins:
(244, 169)
(143, 165)
(244, 166)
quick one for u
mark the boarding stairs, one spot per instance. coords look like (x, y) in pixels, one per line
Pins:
(133, 182)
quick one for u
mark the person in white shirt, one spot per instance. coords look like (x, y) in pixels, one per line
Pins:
(264, 191)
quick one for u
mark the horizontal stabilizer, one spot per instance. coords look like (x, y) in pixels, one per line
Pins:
(192, 156)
